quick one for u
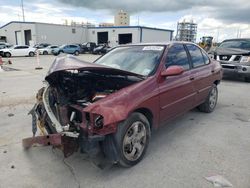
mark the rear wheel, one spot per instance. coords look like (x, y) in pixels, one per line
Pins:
(31, 54)
(76, 53)
(131, 139)
(7, 54)
(211, 101)
(45, 53)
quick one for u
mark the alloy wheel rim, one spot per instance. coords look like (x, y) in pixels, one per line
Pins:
(134, 141)
(213, 98)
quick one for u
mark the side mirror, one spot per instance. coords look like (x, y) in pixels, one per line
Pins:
(172, 71)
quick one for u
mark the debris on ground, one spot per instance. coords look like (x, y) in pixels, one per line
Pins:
(4, 151)
(12, 166)
(219, 181)
(10, 114)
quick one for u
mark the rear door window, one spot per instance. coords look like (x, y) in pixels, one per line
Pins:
(177, 55)
(196, 55)
(206, 58)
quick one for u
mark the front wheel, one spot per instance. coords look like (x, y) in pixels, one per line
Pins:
(131, 139)
(211, 101)
(45, 53)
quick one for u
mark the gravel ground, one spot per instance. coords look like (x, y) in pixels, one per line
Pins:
(180, 154)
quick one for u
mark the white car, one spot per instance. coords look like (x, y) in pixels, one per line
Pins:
(47, 50)
(18, 50)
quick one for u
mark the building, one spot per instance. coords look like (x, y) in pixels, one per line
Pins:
(186, 31)
(122, 18)
(30, 33)
(128, 34)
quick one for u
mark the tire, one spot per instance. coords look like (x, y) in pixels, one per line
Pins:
(131, 139)
(7, 54)
(209, 105)
(76, 53)
(31, 54)
(45, 53)
(247, 79)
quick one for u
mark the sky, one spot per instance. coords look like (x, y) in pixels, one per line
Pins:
(221, 19)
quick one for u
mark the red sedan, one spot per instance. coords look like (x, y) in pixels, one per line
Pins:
(111, 105)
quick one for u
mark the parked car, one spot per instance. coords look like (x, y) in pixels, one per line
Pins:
(4, 45)
(18, 50)
(101, 49)
(88, 47)
(113, 104)
(47, 50)
(234, 56)
(41, 45)
(68, 49)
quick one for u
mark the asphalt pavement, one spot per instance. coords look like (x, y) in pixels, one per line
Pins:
(181, 153)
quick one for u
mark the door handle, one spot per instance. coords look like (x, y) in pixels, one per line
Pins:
(191, 78)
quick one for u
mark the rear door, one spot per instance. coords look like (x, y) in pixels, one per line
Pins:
(177, 93)
(24, 51)
(201, 71)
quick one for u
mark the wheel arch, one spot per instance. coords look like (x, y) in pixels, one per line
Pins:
(147, 113)
(216, 82)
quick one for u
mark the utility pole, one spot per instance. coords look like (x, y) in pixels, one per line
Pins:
(22, 10)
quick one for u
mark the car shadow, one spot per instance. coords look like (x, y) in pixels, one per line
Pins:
(233, 78)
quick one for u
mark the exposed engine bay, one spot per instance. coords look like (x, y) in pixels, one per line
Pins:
(70, 91)
(85, 87)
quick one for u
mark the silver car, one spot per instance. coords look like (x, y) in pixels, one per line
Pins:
(47, 50)
(234, 56)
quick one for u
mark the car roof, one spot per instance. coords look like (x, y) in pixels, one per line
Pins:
(20, 45)
(159, 43)
(236, 39)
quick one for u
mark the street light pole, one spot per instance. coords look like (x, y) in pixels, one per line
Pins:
(22, 10)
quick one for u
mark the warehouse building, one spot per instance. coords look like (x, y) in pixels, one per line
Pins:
(31, 33)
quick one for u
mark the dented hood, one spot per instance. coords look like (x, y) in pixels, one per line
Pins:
(71, 63)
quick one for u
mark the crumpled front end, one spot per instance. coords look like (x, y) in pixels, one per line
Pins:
(63, 111)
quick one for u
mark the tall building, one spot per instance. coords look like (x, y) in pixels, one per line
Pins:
(186, 31)
(122, 18)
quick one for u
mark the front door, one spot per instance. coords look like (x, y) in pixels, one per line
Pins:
(177, 93)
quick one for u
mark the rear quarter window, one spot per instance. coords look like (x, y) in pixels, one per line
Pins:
(206, 58)
(196, 55)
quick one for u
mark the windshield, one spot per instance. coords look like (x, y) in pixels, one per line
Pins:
(242, 44)
(141, 60)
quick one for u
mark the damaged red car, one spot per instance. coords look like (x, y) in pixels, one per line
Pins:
(112, 105)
